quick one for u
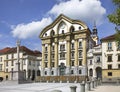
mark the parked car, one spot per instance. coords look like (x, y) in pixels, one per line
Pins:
(1, 78)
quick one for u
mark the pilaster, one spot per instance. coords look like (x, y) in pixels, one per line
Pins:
(43, 54)
(84, 54)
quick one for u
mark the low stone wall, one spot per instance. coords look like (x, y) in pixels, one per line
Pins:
(64, 79)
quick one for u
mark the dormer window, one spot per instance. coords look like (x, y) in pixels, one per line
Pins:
(79, 27)
(72, 29)
(53, 33)
(45, 34)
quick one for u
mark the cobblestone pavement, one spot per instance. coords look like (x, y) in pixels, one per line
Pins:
(48, 87)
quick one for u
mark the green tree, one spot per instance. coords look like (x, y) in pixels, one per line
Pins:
(115, 18)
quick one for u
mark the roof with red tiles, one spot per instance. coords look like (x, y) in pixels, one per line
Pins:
(22, 49)
(111, 37)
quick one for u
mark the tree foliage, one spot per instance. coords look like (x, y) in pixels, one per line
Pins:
(115, 18)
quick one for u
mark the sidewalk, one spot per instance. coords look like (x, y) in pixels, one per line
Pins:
(107, 88)
(48, 87)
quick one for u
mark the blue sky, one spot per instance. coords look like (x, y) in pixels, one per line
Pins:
(24, 19)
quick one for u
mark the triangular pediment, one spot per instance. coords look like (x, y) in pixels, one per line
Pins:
(61, 18)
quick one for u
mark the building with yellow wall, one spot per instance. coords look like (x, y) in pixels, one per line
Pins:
(110, 59)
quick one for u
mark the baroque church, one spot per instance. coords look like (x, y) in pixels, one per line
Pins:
(65, 44)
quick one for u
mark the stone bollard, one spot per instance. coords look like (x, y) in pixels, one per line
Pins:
(88, 86)
(73, 88)
(93, 84)
(82, 87)
(56, 91)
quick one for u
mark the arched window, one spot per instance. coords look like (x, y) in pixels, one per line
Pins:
(52, 33)
(62, 31)
(72, 29)
(38, 72)
(45, 72)
(72, 72)
(80, 72)
(52, 72)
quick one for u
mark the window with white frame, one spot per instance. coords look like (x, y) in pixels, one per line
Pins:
(109, 45)
(0, 59)
(62, 47)
(72, 55)
(1, 67)
(72, 45)
(80, 44)
(80, 53)
(98, 59)
(62, 56)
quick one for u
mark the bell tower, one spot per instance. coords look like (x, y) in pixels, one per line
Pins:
(95, 34)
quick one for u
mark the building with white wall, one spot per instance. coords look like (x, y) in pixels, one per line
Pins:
(30, 62)
(65, 43)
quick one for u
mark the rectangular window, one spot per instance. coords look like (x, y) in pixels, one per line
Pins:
(72, 55)
(46, 64)
(72, 46)
(0, 59)
(80, 62)
(118, 57)
(7, 70)
(53, 56)
(109, 67)
(12, 63)
(80, 54)
(53, 64)
(1, 67)
(53, 48)
(118, 66)
(46, 49)
(6, 56)
(109, 73)
(109, 45)
(110, 58)
(62, 47)
(80, 72)
(80, 44)
(46, 57)
(6, 63)
(72, 63)
(62, 56)
(90, 62)
(98, 59)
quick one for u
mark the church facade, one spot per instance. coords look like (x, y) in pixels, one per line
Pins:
(65, 43)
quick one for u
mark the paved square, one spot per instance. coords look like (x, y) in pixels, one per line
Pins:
(48, 87)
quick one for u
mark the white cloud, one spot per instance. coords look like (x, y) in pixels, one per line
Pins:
(85, 10)
(32, 29)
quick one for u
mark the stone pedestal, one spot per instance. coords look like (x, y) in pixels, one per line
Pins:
(88, 86)
(93, 86)
(73, 88)
(82, 88)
